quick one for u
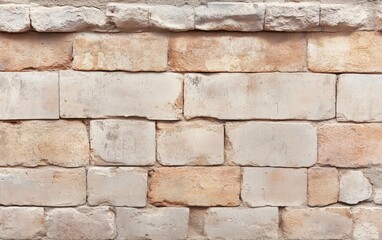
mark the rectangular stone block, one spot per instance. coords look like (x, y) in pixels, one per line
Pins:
(152, 223)
(242, 223)
(260, 96)
(190, 143)
(274, 186)
(350, 145)
(359, 98)
(173, 18)
(47, 186)
(38, 51)
(195, 186)
(21, 222)
(34, 143)
(271, 144)
(14, 17)
(117, 186)
(233, 52)
(127, 16)
(345, 52)
(367, 223)
(29, 95)
(122, 142)
(80, 223)
(105, 94)
(129, 52)
(323, 186)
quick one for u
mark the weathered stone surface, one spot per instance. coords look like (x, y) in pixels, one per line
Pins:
(233, 52)
(43, 186)
(33, 143)
(292, 16)
(152, 223)
(377, 196)
(242, 223)
(274, 186)
(323, 186)
(117, 186)
(271, 144)
(35, 51)
(130, 52)
(80, 223)
(67, 19)
(378, 17)
(317, 223)
(346, 17)
(122, 142)
(367, 223)
(29, 95)
(354, 187)
(260, 96)
(195, 186)
(128, 16)
(359, 98)
(14, 18)
(190, 143)
(350, 145)
(171, 17)
(345, 52)
(246, 17)
(150, 95)
(21, 223)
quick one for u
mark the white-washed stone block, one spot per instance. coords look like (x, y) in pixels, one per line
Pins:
(14, 18)
(128, 16)
(171, 17)
(354, 187)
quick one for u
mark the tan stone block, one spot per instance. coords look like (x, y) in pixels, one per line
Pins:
(232, 52)
(130, 52)
(350, 145)
(367, 223)
(323, 186)
(48, 186)
(195, 186)
(35, 51)
(190, 143)
(354, 187)
(317, 223)
(34, 143)
(274, 186)
(345, 52)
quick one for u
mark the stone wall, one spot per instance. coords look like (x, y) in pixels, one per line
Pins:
(161, 119)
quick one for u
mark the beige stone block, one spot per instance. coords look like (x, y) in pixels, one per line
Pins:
(323, 186)
(190, 143)
(14, 18)
(128, 16)
(195, 186)
(354, 187)
(367, 223)
(171, 18)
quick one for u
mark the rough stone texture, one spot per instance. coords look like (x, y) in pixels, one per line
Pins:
(234, 52)
(242, 223)
(29, 95)
(323, 186)
(359, 98)
(317, 223)
(152, 223)
(292, 16)
(274, 186)
(14, 18)
(245, 17)
(35, 51)
(34, 143)
(129, 52)
(377, 196)
(367, 223)
(271, 144)
(149, 95)
(354, 187)
(43, 186)
(171, 18)
(344, 52)
(260, 96)
(122, 142)
(67, 19)
(378, 17)
(346, 17)
(350, 145)
(80, 223)
(195, 186)
(185, 143)
(117, 186)
(128, 16)
(21, 223)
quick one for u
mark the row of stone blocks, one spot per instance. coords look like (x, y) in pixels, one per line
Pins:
(247, 17)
